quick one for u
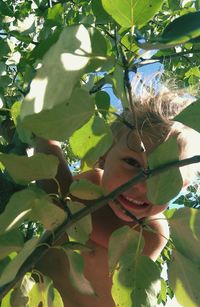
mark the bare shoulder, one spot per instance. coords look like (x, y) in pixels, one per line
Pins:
(157, 236)
(159, 223)
(93, 175)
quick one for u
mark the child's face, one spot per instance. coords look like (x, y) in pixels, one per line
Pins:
(123, 162)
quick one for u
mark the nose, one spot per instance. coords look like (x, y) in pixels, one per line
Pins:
(139, 189)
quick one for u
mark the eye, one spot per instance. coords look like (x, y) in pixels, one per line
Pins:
(132, 162)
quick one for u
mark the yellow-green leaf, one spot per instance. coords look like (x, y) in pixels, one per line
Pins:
(31, 204)
(92, 140)
(25, 169)
(185, 232)
(13, 267)
(163, 187)
(45, 293)
(132, 12)
(81, 230)
(85, 189)
(128, 239)
(11, 241)
(76, 276)
(184, 279)
(190, 116)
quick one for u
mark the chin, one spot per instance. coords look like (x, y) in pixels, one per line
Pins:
(120, 213)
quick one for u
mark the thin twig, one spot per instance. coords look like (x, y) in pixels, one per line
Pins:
(127, 84)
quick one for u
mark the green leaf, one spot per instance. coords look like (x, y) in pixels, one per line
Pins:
(24, 134)
(136, 278)
(184, 279)
(174, 4)
(5, 81)
(163, 292)
(193, 71)
(85, 189)
(56, 299)
(75, 246)
(136, 283)
(11, 241)
(62, 67)
(44, 293)
(163, 187)
(132, 12)
(55, 13)
(15, 111)
(6, 299)
(130, 43)
(76, 276)
(190, 116)
(25, 27)
(102, 101)
(32, 204)
(39, 51)
(169, 213)
(100, 58)
(25, 169)
(22, 37)
(13, 267)
(128, 239)
(182, 29)
(19, 295)
(60, 122)
(4, 262)
(92, 140)
(81, 230)
(185, 233)
(2, 68)
(4, 48)
(119, 85)
(5, 9)
(101, 15)
(47, 109)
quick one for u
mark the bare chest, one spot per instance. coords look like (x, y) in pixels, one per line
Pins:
(55, 265)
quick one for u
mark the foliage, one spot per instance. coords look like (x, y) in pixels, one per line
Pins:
(56, 58)
(190, 198)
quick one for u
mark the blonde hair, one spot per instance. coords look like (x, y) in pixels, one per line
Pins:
(152, 115)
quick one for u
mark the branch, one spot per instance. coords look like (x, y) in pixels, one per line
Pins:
(3, 34)
(127, 84)
(48, 237)
(99, 84)
(179, 54)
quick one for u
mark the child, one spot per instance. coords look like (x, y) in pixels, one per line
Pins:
(123, 161)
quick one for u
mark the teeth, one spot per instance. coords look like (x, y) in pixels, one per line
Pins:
(134, 201)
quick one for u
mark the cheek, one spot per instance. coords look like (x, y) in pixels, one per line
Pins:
(111, 180)
(158, 209)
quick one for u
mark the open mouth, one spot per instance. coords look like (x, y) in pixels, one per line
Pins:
(130, 203)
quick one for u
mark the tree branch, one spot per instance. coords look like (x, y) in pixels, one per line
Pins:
(174, 55)
(48, 238)
(127, 85)
(99, 84)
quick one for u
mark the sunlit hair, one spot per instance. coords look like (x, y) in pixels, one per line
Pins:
(152, 115)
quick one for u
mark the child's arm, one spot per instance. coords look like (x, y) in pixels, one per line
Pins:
(64, 176)
(156, 240)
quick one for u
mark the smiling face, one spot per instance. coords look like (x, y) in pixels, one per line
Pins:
(122, 163)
